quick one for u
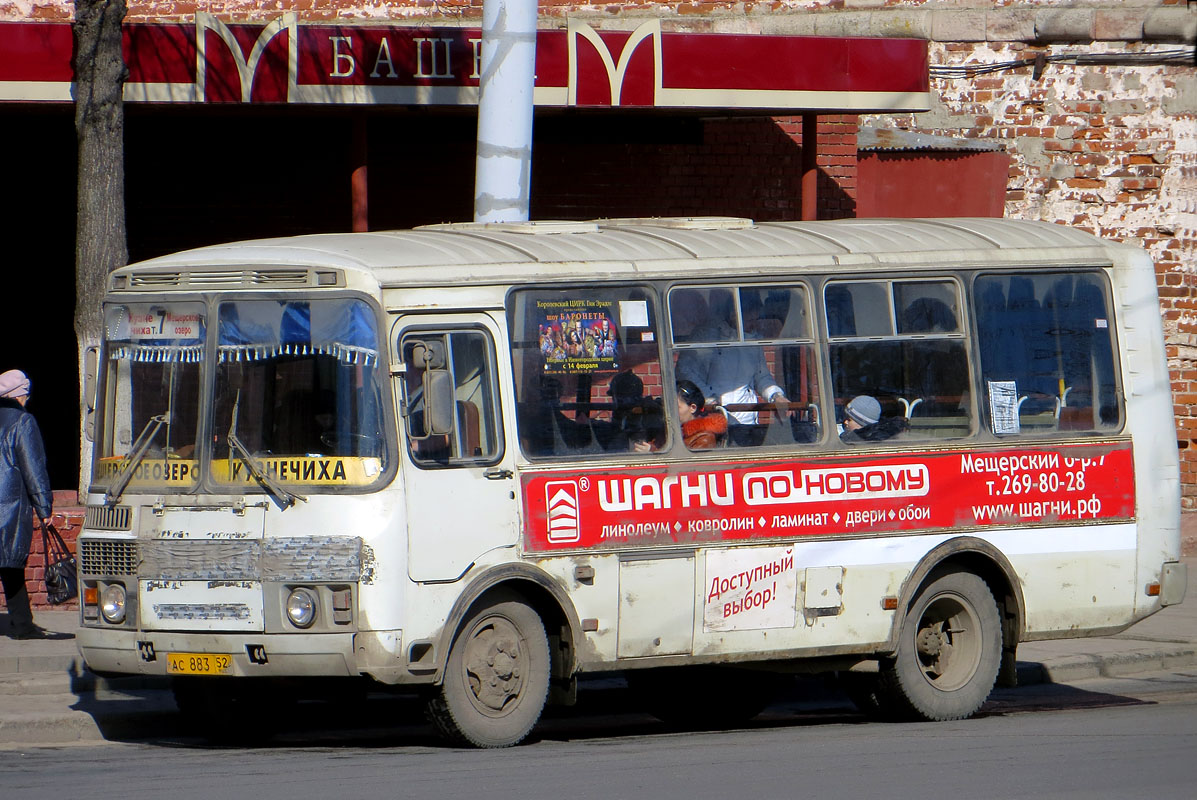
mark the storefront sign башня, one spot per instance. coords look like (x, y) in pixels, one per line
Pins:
(285, 61)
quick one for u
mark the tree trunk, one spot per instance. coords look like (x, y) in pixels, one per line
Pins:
(100, 239)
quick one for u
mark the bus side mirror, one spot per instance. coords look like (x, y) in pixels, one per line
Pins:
(438, 402)
(91, 371)
(439, 392)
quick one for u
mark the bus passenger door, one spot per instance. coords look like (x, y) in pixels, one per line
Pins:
(458, 478)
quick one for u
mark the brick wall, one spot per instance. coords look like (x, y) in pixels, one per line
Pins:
(732, 167)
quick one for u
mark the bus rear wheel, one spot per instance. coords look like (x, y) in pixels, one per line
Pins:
(948, 654)
(496, 679)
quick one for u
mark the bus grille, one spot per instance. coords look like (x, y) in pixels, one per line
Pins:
(107, 518)
(108, 557)
(200, 561)
(322, 558)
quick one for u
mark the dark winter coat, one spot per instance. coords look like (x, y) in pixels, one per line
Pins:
(24, 484)
(886, 428)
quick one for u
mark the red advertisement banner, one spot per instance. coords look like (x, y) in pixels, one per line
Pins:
(612, 508)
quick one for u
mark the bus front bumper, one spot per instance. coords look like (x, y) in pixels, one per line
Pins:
(248, 655)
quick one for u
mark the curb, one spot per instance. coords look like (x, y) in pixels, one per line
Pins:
(10, 665)
(84, 720)
(1066, 669)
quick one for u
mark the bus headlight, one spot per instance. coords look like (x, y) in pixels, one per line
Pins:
(112, 603)
(301, 607)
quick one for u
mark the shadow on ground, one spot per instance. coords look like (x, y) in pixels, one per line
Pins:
(605, 709)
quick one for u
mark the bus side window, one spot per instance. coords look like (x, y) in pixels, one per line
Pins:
(749, 349)
(901, 344)
(1047, 355)
(476, 434)
(587, 372)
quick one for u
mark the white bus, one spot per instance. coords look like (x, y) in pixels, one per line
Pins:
(480, 460)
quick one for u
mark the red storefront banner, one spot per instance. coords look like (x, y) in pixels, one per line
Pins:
(284, 61)
(613, 508)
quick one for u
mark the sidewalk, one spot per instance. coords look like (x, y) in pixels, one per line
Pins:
(48, 697)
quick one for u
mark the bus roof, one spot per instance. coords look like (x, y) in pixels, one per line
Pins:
(641, 248)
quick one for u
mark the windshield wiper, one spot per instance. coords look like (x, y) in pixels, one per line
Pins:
(282, 497)
(136, 454)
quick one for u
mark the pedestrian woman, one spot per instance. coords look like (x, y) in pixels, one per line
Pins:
(24, 489)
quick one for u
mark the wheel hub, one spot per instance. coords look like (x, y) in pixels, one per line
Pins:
(947, 642)
(494, 668)
(930, 642)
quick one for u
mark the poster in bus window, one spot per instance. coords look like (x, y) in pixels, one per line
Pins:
(578, 336)
(1003, 407)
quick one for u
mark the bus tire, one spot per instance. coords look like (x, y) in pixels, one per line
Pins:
(948, 655)
(496, 679)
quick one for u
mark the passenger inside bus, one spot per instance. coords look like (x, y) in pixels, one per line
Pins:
(645, 427)
(636, 423)
(566, 433)
(863, 421)
(902, 343)
(626, 391)
(730, 376)
(701, 430)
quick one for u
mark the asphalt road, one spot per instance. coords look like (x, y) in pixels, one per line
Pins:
(1123, 738)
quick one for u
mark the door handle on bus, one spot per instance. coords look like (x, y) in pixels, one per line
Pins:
(497, 474)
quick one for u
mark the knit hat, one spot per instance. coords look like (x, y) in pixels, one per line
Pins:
(14, 384)
(864, 409)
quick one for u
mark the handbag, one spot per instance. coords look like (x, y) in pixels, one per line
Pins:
(61, 572)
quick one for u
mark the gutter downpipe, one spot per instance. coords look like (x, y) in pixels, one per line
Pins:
(503, 167)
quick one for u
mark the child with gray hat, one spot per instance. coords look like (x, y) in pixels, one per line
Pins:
(863, 421)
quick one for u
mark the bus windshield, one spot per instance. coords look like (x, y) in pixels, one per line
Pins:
(297, 394)
(298, 397)
(151, 394)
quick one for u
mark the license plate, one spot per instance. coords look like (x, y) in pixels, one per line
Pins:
(199, 663)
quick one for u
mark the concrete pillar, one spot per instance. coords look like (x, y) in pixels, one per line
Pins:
(504, 156)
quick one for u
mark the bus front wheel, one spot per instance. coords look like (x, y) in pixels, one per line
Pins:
(496, 679)
(948, 654)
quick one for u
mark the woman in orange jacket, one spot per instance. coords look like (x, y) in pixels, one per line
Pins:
(700, 431)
